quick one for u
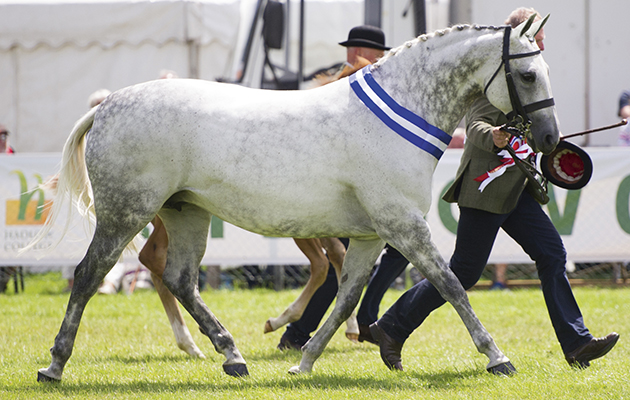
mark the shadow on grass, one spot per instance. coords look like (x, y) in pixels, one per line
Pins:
(275, 354)
(262, 355)
(147, 358)
(394, 381)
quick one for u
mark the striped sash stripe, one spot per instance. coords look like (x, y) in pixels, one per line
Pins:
(410, 126)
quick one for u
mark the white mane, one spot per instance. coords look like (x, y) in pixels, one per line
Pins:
(428, 36)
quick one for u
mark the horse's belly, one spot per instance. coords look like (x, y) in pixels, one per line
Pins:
(287, 211)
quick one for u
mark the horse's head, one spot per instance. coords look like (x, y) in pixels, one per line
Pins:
(520, 87)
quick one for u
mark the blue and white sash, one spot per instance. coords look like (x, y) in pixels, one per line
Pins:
(410, 126)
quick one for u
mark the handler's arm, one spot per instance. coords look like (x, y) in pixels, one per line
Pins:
(482, 123)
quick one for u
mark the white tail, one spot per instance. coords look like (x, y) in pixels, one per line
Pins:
(73, 185)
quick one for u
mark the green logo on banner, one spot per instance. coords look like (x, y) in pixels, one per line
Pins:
(564, 223)
(26, 210)
(622, 204)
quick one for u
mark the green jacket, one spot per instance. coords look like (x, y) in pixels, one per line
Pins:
(480, 156)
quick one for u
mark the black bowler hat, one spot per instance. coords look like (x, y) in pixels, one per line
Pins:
(366, 36)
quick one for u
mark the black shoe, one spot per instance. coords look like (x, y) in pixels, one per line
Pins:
(288, 342)
(389, 347)
(365, 335)
(596, 348)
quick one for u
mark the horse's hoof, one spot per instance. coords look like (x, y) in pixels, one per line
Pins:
(295, 370)
(45, 378)
(193, 351)
(505, 368)
(268, 327)
(353, 337)
(236, 370)
(197, 354)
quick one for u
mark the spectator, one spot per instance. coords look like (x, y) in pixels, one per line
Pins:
(624, 112)
(5, 148)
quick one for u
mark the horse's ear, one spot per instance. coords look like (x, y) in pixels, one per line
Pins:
(538, 25)
(524, 26)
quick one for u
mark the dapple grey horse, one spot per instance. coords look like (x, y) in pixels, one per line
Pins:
(352, 159)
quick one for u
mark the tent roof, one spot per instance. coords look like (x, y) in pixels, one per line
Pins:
(30, 23)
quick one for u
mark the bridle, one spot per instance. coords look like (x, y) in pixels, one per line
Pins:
(518, 117)
(519, 122)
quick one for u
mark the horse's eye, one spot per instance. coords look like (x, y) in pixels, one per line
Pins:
(529, 77)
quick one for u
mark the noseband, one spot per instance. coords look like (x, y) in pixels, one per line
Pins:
(518, 116)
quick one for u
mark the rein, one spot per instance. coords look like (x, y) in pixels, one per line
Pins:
(536, 180)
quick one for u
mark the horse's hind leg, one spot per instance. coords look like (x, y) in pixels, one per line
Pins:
(101, 256)
(187, 236)
(153, 256)
(312, 249)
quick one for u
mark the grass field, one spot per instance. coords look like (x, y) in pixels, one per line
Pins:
(125, 350)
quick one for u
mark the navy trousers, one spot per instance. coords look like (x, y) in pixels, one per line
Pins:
(532, 229)
(392, 265)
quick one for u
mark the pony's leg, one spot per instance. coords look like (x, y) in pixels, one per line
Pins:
(182, 335)
(413, 239)
(187, 236)
(312, 249)
(336, 253)
(153, 256)
(101, 256)
(359, 260)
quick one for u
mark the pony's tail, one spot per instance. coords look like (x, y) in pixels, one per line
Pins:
(71, 183)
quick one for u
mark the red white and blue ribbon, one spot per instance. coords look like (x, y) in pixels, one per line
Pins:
(410, 126)
(522, 151)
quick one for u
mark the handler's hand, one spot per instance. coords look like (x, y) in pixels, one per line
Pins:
(499, 137)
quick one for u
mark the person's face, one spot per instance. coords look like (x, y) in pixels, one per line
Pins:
(540, 36)
(370, 54)
(4, 138)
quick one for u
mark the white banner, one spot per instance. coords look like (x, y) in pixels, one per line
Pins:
(594, 222)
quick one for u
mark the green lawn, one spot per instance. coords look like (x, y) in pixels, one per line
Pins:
(125, 349)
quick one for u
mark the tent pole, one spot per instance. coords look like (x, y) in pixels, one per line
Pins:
(193, 59)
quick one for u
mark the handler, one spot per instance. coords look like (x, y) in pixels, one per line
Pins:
(486, 205)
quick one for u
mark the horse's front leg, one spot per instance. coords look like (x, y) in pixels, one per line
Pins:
(360, 258)
(336, 253)
(312, 249)
(413, 239)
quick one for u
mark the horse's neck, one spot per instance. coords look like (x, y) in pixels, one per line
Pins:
(438, 79)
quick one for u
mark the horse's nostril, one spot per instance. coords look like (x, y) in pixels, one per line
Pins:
(550, 140)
